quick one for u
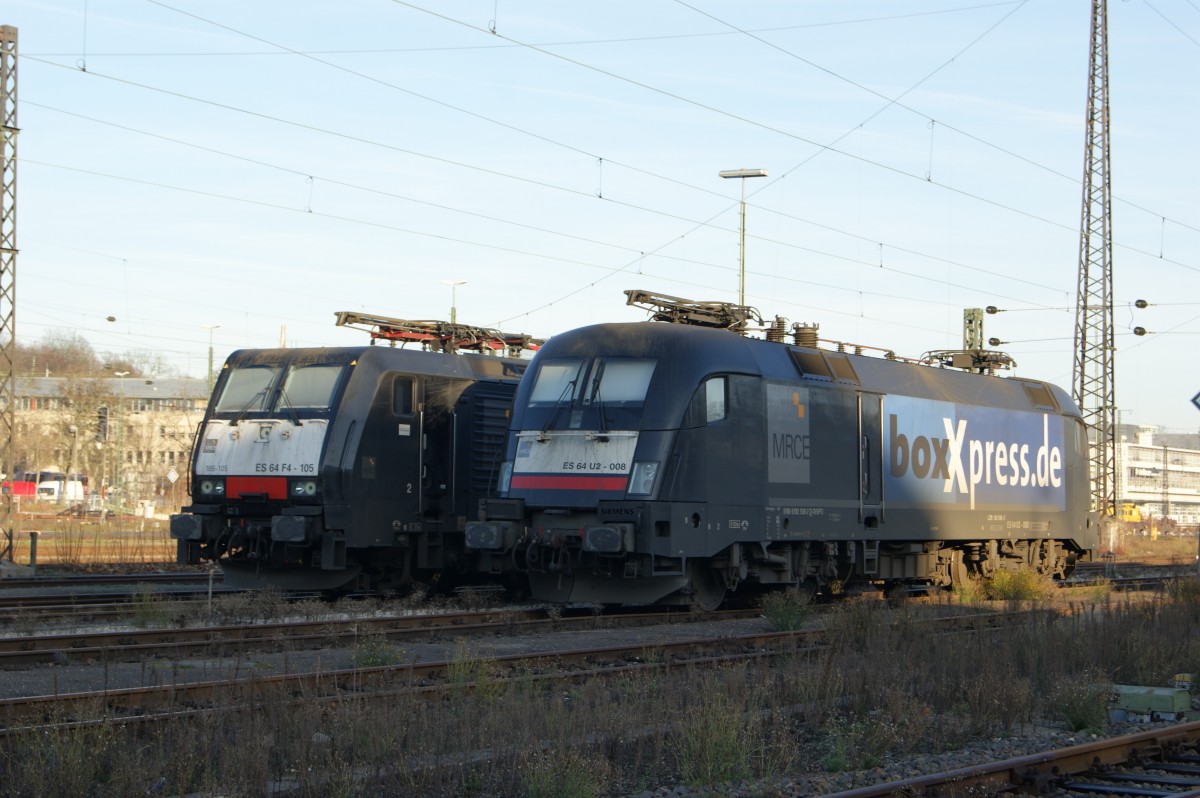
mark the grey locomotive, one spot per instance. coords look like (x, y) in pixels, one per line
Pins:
(681, 462)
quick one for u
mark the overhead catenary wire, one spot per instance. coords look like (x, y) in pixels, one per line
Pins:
(518, 177)
(663, 254)
(300, 173)
(562, 43)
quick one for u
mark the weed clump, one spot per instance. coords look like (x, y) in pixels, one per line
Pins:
(469, 672)
(147, 608)
(375, 650)
(1083, 704)
(1184, 591)
(1005, 585)
(854, 743)
(565, 774)
(786, 611)
(733, 735)
(1022, 585)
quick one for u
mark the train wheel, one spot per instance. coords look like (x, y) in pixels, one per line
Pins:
(959, 574)
(708, 590)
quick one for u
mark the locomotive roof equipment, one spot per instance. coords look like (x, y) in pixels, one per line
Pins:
(439, 336)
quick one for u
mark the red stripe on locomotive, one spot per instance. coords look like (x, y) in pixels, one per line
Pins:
(272, 487)
(568, 482)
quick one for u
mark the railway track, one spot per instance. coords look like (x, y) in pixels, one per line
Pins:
(1154, 763)
(90, 580)
(561, 667)
(133, 645)
(78, 600)
(98, 597)
(1160, 762)
(164, 702)
(551, 657)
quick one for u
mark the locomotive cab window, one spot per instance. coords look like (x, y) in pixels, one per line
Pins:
(709, 403)
(309, 387)
(402, 396)
(619, 381)
(599, 394)
(246, 390)
(714, 399)
(557, 382)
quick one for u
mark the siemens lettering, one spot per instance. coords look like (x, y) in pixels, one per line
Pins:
(938, 451)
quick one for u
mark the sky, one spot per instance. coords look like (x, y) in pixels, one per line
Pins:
(240, 172)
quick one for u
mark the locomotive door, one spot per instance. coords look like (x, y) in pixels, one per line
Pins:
(870, 460)
(439, 411)
(390, 460)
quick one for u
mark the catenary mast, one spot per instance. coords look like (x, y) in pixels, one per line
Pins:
(1094, 350)
(8, 271)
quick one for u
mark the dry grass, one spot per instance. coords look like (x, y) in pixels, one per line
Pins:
(883, 688)
(82, 542)
(1132, 546)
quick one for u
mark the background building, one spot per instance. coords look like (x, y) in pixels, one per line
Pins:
(130, 436)
(1159, 474)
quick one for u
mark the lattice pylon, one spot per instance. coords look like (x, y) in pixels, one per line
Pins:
(8, 269)
(1094, 349)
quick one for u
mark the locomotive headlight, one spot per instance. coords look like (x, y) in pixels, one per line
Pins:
(304, 488)
(642, 478)
(212, 487)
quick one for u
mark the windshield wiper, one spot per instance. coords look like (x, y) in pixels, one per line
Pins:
(286, 404)
(595, 391)
(602, 416)
(561, 405)
(246, 407)
(597, 400)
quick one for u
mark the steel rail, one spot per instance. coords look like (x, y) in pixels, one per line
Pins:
(1040, 772)
(315, 684)
(137, 644)
(83, 580)
(118, 704)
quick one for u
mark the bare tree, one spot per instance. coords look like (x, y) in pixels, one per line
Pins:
(141, 362)
(59, 353)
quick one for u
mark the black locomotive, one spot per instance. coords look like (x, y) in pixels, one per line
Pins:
(340, 468)
(676, 463)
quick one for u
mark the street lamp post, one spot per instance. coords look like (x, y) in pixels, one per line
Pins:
(120, 465)
(742, 174)
(210, 328)
(454, 284)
